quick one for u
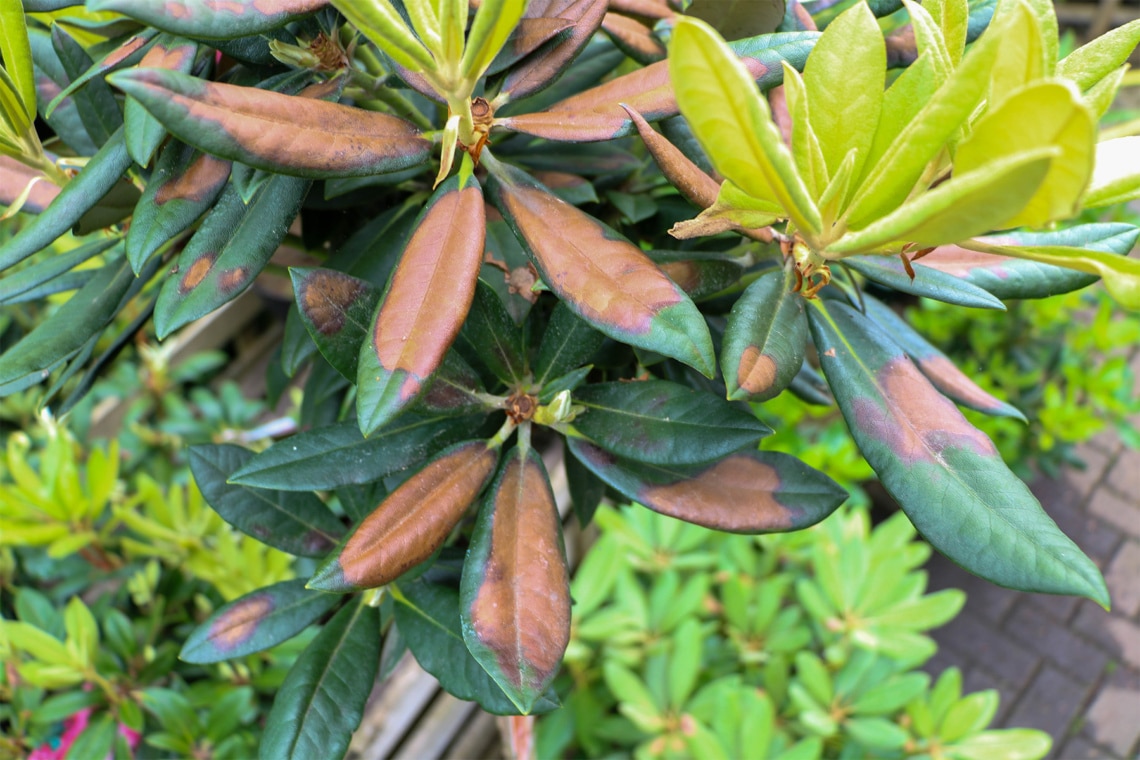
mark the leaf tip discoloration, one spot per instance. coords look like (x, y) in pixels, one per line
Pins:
(238, 624)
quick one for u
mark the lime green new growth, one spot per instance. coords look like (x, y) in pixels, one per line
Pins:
(962, 143)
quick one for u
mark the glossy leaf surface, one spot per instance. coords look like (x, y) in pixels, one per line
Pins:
(145, 133)
(603, 277)
(228, 251)
(412, 522)
(746, 492)
(24, 283)
(425, 305)
(546, 63)
(210, 19)
(300, 136)
(427, 616)
(660, 422)
(950, 381)
(765, 339)
(515, 594)
(256, 622)
(297, 523)
(491, 338)
(322, 699)
(947, 476)
(568, 342)
(338, 455)
(336, 309)
(927, 282)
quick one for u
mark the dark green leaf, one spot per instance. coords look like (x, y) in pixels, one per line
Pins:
(209, 19)
(257, 621)
(567, 343)
(31, 277)
(336, 310)
(491, 338)
(660, 422)
(927, 282)
(700, 275)
(144, 132)
(97, 106)
(765, 339)
(297, 523)
(96, 739)
(586, 489)
(321, 702)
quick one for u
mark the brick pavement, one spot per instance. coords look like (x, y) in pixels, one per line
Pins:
(1061, 664)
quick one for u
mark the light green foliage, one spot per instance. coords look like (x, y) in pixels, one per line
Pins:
(688, 643)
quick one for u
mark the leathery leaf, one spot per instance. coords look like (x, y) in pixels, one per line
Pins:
(745, 492)
(303, 136)
(765, 339)
(425, 305)
(946, 474)
(336, 309)
(412, 521)
(601, 276)
(210, 19)
(515, 592)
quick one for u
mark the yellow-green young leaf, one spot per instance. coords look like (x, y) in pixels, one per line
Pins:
(493, 24)
(380, 22)
(1100, 96)
(425, 21)
(82, 631)
(1020, 56)
(17, 54)
(14, 119)
(733, 210)
(953, 18)
(839, 188)
(39, 644)
(805, 145)
(1121, 274)
(901, 103)
(844, 79)
(452, 25)
(1090, 63)
(966, 205)
(1046, 17)
(1044, 114)
(732, 121)
(1116, 177)
(928, 37)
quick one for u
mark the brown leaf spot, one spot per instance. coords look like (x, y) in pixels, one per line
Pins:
(124, 51)
(686, 274)
(441, 263)
(233, 278)
(960, 262)
(326, 297)
(830, 352)
(236, 625)
(163, 57)
(609, 281)
(197, 272)
(919, 423)
(757, 372)
(736, 494)
(522, 609)
(200, 180)
(415, 519)
(955, 383)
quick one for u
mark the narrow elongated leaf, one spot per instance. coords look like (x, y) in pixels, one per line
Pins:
(939, 370)
(493, 24)
(127, 54)
(634, 38)
(28, 278)
(700, 275)
(184, 184)
(80, 195)
(603, 277)
(528, 36)
(545, 64)
(947, 476)
(765, 339)
(490, 338)
(733, 123)
(427, 616)
(289, 134)
(321, 701)
(567, 343)
(412, 522)
(928, 282)
(209, 19)
(515, 593)
(228, 251)
(682, 173)
(660, 422)
(1007, 277)
(257, 621)
(380, 22)
(338, 455)
(144, 132)
(73, 324)
(336, 309)
(95, 102)
(297, 523)
(17, 55)
(746, 492)
(1091, 63)
(425, 304)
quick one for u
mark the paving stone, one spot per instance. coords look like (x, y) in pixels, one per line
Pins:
(989, 648)
(1051, 703)
(1060, 608)
(1107, 441)
(1113, 719)
(1065, 505)
(1071, 653)
(1080, 748)
(1124, 476)
(978, 679)
(1123, 579)
(982, 597)
(1116, 510)
(1116, 635)
(944, 658)
(1096, 462)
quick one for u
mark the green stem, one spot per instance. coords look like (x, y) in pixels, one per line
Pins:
(504, 433)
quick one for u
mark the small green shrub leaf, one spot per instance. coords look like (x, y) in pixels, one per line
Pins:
(765, 339)
(977, 513)
(321, 701)
(660, 422)
(256, 622)
(297, 523)
(746, 492)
